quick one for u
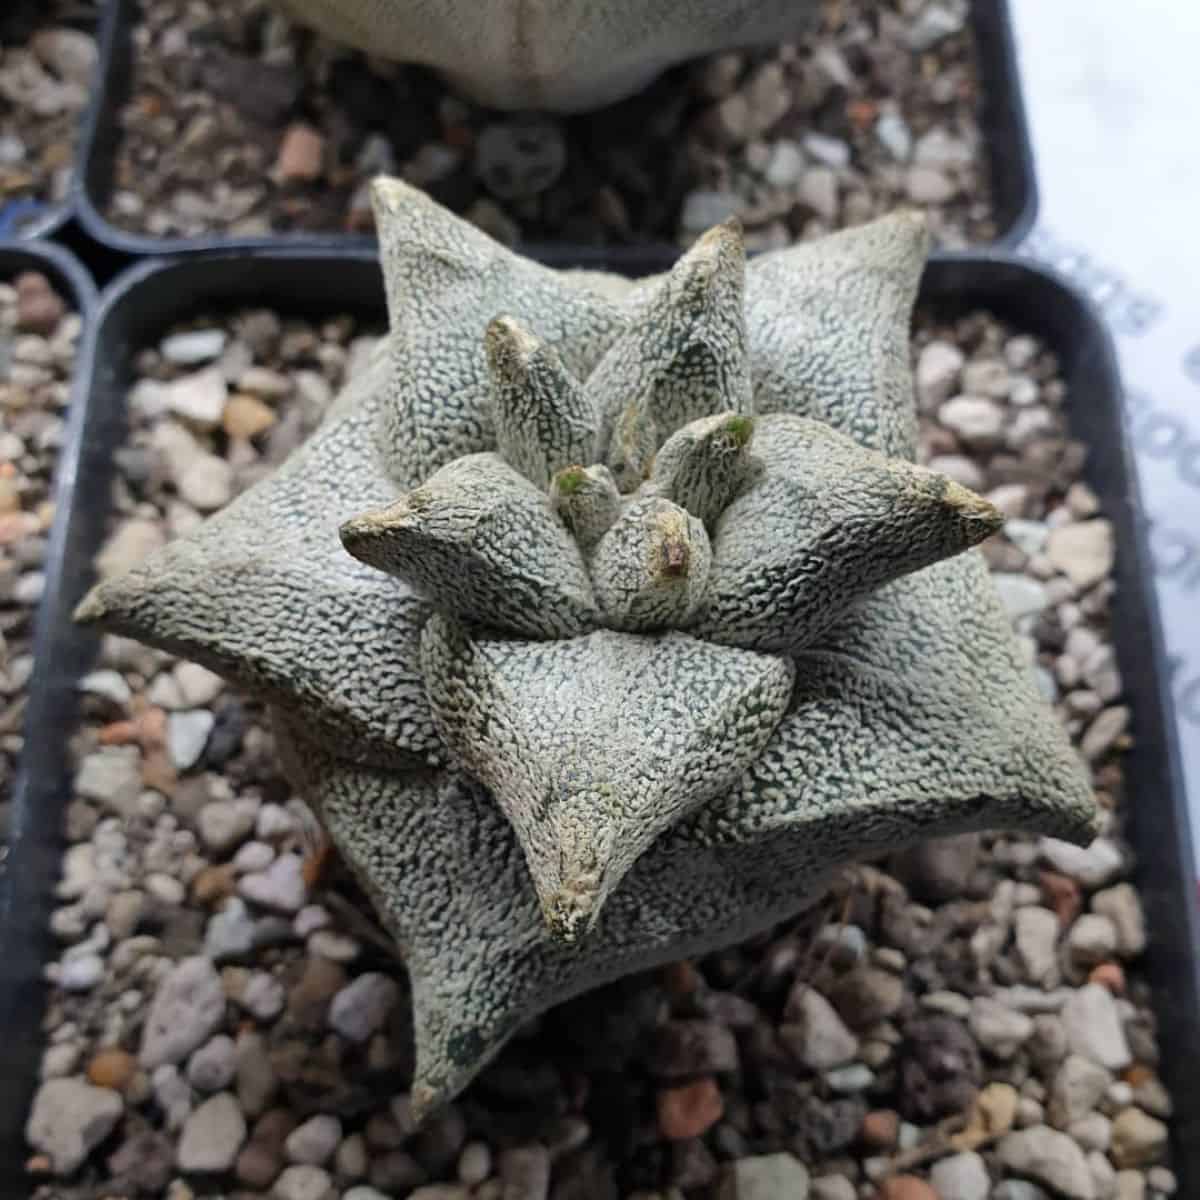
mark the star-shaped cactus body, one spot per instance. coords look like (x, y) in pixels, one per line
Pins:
(602, 621)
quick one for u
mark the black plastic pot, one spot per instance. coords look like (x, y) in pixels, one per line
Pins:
(31, 218)
(1014, 186)
(28, 873)
(138, 307)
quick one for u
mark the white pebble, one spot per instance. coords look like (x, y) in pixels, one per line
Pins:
(314, 1141)
(274, 821)
(165, 889)
(338, 947)
(263, 996)
(362, 1006)
(310, 918)
(81, 974)
(254, 856)
(187, 735)
(280, 887)
(474, 1163)
(198, 686)
(303, 1182)
(192, 347)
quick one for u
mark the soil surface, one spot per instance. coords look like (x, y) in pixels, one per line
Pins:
(38, 338)
(239, 123)
(965, 1021)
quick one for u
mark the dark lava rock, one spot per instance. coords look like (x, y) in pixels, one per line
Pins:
(940, 1069)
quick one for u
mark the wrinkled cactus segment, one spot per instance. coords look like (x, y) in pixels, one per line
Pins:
(704, 465)
(683, 360)
(481, 542)
(590, 774)
(544, 421)
(602, 621)
(587, 501)
(651, 567)
(825, 524)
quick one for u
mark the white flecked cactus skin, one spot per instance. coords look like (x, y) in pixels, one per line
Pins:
(602, 621)
(557, 55)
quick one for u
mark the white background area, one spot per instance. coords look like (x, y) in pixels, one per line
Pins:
(1112, 89)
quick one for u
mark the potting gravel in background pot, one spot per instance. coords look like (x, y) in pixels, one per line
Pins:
(224, 124)
(48, 64)
(739, 1083)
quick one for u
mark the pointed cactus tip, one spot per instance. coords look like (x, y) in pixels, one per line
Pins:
(507, 342)
(571, 909)
(983, 517)
(587, 500)
(740, 427)
(360, 531)
(422, 1100)
(729, 232)
(354, 535)
(543, 418)
(913, 224)
(715, 254)
(504, 328)
(389, 194)
(651, 567)
(674, 544)
(91, 608)
(570, 479)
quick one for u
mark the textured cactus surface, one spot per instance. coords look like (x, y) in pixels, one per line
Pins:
(564, 55)
(602, 621)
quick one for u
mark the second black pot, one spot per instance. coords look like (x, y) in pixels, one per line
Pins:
(138, 308)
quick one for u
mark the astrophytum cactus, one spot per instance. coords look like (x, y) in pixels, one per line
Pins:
(564, 56)
(601, 622)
